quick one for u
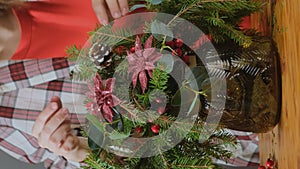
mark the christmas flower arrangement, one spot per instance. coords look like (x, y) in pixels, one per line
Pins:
(151, 101)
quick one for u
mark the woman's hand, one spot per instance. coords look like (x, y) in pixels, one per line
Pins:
(117, 9)
(53, 130)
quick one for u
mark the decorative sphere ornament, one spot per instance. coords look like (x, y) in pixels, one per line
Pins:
(155, 128)
(270, 163)
(158, 100)
(132, 49)
(139, 129)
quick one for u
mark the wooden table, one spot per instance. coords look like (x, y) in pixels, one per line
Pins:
(283, 143)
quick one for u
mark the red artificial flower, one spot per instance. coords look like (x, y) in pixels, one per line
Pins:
(103, 99)
(142, 61)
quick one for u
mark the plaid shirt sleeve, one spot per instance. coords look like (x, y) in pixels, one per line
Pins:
(25, 89)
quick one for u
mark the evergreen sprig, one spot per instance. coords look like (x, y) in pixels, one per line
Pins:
(93, 161)
(73, 53)
(112, 36)
(189, 163)
(218, 18)
(84, 69)
(159, 79)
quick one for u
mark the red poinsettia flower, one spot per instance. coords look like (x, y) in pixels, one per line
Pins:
(103, 98)
(142, 61)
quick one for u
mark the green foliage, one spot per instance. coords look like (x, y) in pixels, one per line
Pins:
(157, 83)
(219, 18)
(187, 154)
(93, 161)
(112, 36)
(73, 52)
(84, 69)
(189, 162)
(159, 80)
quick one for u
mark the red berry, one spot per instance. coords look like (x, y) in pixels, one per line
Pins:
(155, 128)
(161, 110)
(132, 49)
(139, 129)
(179, 43)
(270, 163)
(158, 100)
(261, 167)
(171, 44)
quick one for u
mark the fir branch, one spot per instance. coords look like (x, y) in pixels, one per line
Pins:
(225, 29)
(192, 4)
(143, 100)
(118, 37)
(163, 158)
(136, 115)
(140, 147)
(159, 79)
(73, 53)
(190, 162)
(84, 70)
(166, 121)
(112, 36)
(94, 161)
(122, 68)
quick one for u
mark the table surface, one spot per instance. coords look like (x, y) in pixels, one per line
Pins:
(283, 143)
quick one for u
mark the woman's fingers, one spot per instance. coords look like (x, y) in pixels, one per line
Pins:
(116, 8)
(59, 136)
(43, 118)
(57, 100)
(123, 4)
(70, 144)
(53, 130)
(52, 125)
(100, 10)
